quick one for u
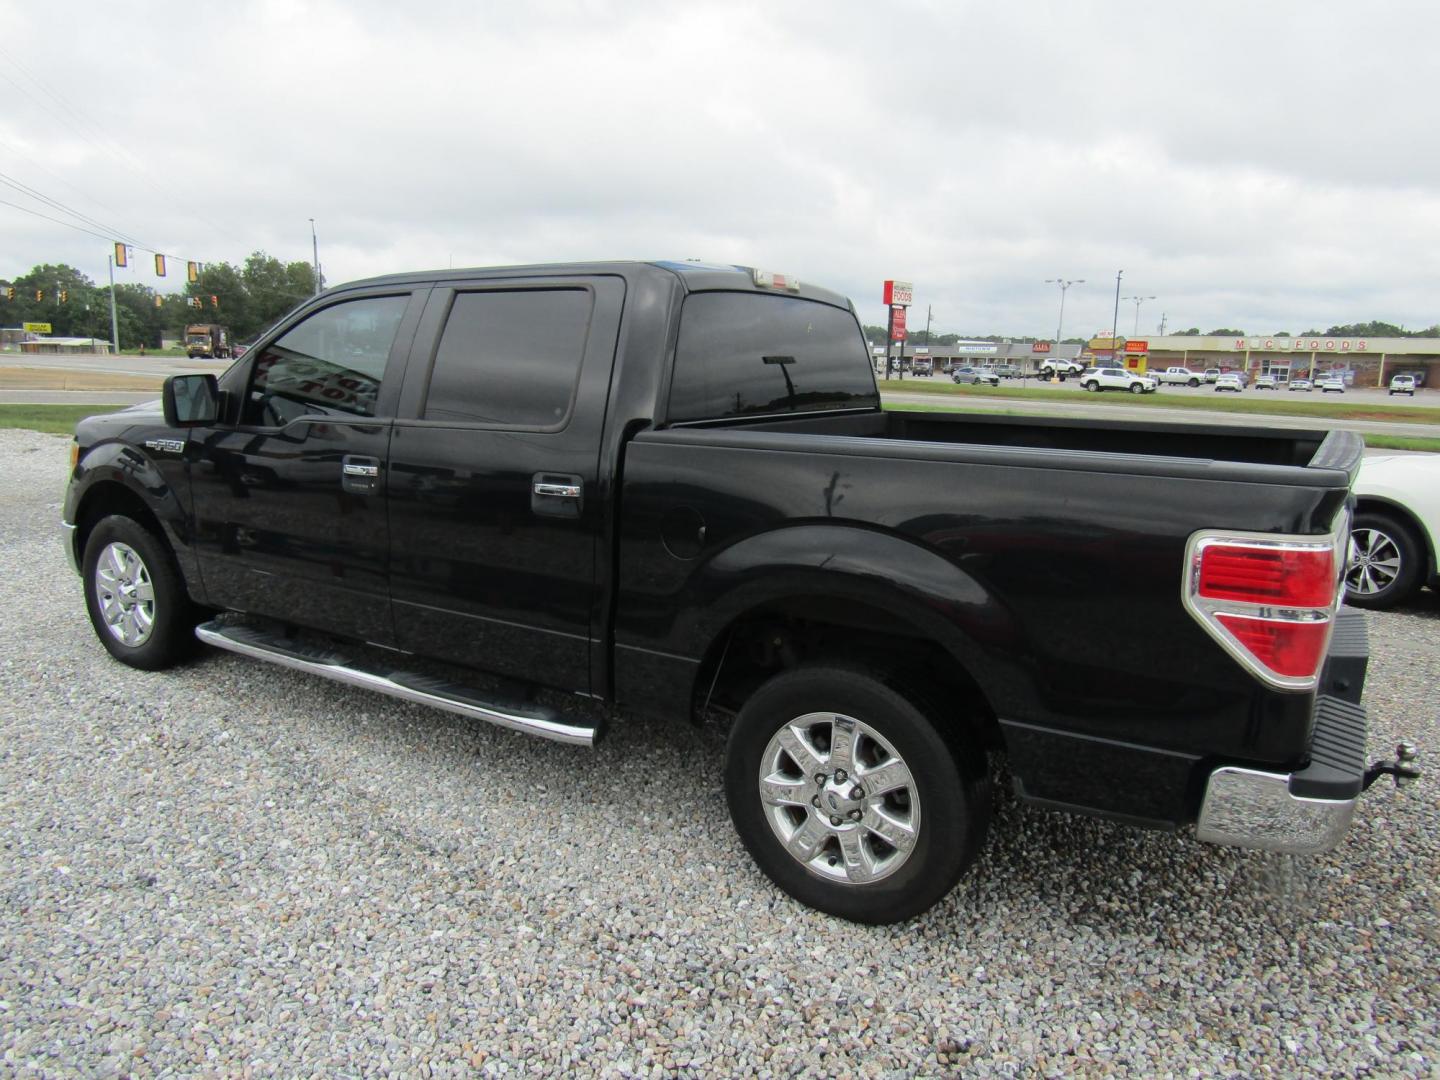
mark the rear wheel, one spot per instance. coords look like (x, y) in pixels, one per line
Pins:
(1384, 565)
(850, 798)
(135, 597)
(1194, 382)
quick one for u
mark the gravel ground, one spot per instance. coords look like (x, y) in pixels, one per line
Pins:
(234, 869)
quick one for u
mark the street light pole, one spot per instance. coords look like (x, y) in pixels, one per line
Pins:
(1063, 286)
(1115, 318)
(114, 323)
(315, 248)
(1138, 301)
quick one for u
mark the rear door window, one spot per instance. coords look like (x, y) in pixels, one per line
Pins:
(754, 354)
(510, 358)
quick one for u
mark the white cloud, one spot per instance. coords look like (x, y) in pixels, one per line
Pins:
(1263, 166)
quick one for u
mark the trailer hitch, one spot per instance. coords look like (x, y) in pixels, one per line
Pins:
(1401, 768)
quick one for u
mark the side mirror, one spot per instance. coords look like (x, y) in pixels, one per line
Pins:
(191, 400)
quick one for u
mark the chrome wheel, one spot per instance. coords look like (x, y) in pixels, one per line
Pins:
(125, 593)
(839, 798)
(1375, 562)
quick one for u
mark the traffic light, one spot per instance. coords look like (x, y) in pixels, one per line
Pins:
(64, 296)
(214, 301)
(159, 300)
(10, 292)
(39, 295)
(159, 265)
(119, 254)
(192, 271)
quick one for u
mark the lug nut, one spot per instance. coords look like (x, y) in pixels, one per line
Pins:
(820, 779)
(836, 822)
(839, 776)
(815, 802)
(854, 815)
(857, 792)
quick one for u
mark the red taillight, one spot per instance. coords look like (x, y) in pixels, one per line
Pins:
(1291, 649)
(1286, 577)
(1270, 601)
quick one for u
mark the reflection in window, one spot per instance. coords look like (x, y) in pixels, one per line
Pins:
(334, 361)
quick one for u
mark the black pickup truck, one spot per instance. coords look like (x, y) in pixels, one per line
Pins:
(671, 487)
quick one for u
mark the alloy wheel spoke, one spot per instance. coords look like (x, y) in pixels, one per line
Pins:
(805, 756)
(805, 841)
(777, 790)
(859, 866)
(897, 834)
(890, 775)
(842, 744)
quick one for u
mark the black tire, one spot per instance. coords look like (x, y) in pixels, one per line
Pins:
(947, 776)
(1194, 382)
(1137, 388)
(172, 616)
(1384, 539)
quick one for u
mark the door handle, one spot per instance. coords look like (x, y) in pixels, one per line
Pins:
(557, 495)
(359, 475)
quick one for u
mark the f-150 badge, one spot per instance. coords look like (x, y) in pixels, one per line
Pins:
(174, 446)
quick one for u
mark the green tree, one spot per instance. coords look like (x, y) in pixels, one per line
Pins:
(1224, 332)
(274, 288)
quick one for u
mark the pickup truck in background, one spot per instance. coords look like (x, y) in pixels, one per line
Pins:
(1179, 376)
(671, 487)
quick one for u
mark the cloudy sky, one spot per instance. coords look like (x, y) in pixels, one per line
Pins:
(1267, 166)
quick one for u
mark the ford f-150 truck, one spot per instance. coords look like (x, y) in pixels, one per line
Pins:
(672, 487)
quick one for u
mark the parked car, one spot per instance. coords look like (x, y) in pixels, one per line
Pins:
(1299, 384)
(1229, 381)
(922, 368)
(1180, 375)
(1332, 384)
(1008, 371)
(975, 376)
(1060, 367)
(1115, 378)
(1211, 374)
(1266, 382)
(1395, 536)
(1146, 621)
(1403, 384)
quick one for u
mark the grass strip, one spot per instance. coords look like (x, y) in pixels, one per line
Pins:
(1277, 404)
(51, 419)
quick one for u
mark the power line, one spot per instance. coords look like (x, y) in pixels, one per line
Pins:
(57, 221)
(119, 153)
(56, 204)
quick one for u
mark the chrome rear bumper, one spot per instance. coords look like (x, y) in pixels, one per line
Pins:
(1248, 808)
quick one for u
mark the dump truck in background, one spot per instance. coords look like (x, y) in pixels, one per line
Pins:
(207, 339)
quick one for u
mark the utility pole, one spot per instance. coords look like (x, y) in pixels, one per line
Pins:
(1115, 318)
(1138, 301)
(114, 322)
(1061, 323)
(928, 314)
(315, 248)
(1164, 318)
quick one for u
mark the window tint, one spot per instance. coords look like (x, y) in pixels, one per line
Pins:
(333, 361)
(510, 357)
(752, 353)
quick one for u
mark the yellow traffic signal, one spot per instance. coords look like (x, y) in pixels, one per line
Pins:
(159, 265)
(39, 295)
(119, 254)
(64, 296)
(192, 271)
(214, 301)
(10, 292)
(159, 300)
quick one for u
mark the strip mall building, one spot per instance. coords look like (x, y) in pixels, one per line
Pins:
(1363, 361)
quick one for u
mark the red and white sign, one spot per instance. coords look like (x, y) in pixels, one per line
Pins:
(899, 293)
(1040, 346)
(1137, 346)
(897, 323)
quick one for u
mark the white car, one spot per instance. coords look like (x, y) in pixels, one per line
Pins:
(1403, 384)
(1229, 381)
(1331, 384)
(1396, 532)
(1300, 384)
(1061, 368)
(1266, 382)
(1112, 378)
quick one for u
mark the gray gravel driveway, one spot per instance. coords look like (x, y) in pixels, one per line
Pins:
(233, 869)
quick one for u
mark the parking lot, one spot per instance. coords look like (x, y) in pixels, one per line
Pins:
(232, 868)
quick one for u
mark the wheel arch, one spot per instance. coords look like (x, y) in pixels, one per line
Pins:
(854, 595)
(1383, 505)
(104, 494)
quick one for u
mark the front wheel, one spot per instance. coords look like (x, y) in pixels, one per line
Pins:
(135, 597)
(1137, 388)
(1384, 561)
(1091, 386)
(849, 796)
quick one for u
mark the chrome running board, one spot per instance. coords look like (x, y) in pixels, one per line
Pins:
(406, 685)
